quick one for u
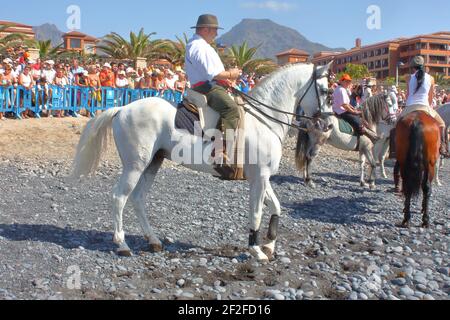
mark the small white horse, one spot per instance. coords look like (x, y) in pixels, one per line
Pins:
(444, 112)
(376, 114)
(145, 134)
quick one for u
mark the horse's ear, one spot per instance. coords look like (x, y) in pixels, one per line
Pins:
(324, 71)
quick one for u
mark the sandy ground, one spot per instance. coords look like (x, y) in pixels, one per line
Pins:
(51, 139)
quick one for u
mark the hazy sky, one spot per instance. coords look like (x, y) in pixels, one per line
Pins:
(332, 23)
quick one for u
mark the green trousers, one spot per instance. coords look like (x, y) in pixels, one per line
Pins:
(220, 101)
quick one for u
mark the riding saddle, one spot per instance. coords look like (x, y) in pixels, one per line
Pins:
(195, 116)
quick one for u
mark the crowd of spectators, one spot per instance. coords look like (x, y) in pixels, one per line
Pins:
(31, 74)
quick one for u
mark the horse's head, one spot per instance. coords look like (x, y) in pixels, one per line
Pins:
(375, 109)
(319, 130)
(316, 95)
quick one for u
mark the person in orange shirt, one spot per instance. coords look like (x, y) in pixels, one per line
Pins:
(107, 78)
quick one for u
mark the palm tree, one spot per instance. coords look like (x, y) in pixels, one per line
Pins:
(441, 80)
(242, 57)
(177, 50)
(46, 50)
(139, 45)
(11, 40)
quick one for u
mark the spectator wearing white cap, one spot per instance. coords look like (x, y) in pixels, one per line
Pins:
(170, 79)
(49, 73)
(107, 78)
(122, 81)
(26, 81)
(131, 76)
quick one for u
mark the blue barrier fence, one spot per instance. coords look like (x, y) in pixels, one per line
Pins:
(72, 98)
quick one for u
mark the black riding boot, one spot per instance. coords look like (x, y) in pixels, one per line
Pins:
(370, 134)
(392, 154)
(443, 148)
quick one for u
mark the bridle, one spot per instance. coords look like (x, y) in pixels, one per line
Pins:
(251, 101)
(316, 89)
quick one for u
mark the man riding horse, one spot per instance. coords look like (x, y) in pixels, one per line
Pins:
(344, 110)
(208, 76)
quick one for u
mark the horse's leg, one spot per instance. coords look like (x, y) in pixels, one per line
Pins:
(407, 211)
(426, 188)
(273, 203)
(397, 177)
(258, 188)
(362, 164)
(138, 199)
(121, 191)
(372, 168)
(438, 181)
(308, 179)
(382, 157)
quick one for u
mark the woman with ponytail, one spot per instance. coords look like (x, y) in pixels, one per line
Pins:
(420, 95)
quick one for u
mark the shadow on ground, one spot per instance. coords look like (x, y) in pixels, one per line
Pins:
(69, 238)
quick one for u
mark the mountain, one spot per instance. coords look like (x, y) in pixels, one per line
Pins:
(49, 31)
(273, 38)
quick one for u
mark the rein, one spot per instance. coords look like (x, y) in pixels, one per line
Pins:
(249, 99)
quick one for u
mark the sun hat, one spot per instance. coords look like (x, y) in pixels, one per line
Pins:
(346, 77)
(130, 70)
(417, 61)
(107, 65)
(207, 21)
(121, 73)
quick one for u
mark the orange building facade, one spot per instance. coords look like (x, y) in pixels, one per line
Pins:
(14, 27)
(77, 41)
(292, 56)
(382, 58)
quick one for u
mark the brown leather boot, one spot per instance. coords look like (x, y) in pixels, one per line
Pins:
(371, 135)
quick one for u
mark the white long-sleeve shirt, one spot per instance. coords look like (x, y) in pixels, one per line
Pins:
(202, 63)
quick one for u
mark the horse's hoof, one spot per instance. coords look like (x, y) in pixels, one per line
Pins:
(124, 253)
(403, 225)
(155, 247)
(311, 184)
(258, 254)
(384, 175)
(268, 252)
(372, 186)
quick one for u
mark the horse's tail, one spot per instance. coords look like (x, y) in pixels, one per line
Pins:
(412, 171)
(301, 149)
(93, 141)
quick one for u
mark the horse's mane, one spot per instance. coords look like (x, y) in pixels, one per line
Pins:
(373, 109)
(276, 73)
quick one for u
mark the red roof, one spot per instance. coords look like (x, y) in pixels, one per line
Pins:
(79, 35)
(293, 51)
(14, 24)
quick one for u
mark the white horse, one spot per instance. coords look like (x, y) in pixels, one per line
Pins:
(145, 134)
(444, 112)
(376, 114)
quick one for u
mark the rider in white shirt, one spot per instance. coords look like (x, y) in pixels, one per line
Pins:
(421, 95)
(207, 73)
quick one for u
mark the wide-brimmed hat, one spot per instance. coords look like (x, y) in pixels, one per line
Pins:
(207, 21)
(107, 65)
(121, 73)
(346, 77)
(417, 61)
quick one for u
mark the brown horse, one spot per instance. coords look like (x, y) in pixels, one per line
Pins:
(417, 146)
